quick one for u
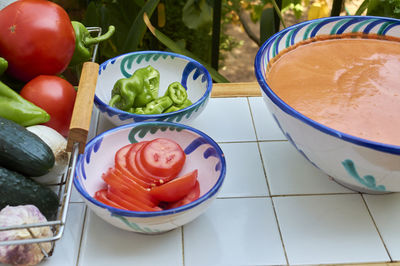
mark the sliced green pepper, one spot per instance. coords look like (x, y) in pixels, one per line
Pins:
(174, 108)
(14, 107)
(137, 90)
(84, 42)
(157, 106)
(177, 93)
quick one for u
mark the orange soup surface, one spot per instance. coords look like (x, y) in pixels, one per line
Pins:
(351, 85)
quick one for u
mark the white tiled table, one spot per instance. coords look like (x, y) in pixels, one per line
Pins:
(273, 209)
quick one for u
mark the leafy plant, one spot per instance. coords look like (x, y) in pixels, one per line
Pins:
(384, 8)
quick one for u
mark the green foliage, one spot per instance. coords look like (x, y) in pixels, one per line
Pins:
(383, 8)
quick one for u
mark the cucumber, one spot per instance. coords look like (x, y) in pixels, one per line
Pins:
(16, 189)
(23, 151)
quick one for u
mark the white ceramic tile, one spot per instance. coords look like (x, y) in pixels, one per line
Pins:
(266, 127)
(385, 210)
(245, 174)
(234, 232)
(104, 244)
(328, 229)
(226, 119)
(75, 196)
(288, 172)
(67, 248)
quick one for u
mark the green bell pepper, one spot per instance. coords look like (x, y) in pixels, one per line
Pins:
(84, 42)
(137, 90)
(177, 93)
(14, 107)
(3, 65)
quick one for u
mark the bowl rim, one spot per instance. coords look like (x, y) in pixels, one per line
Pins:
(209, 194)
(117, 111)
(388, 148)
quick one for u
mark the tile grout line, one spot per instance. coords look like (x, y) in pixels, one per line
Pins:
(268, 186)
(78, 257)
(376, 227)
(183, 245)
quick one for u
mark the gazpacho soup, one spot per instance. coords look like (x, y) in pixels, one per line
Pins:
(348, 84)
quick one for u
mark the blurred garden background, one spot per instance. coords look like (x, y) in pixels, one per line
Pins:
(224, 35)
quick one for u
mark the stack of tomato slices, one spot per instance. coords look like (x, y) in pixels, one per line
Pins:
(146, 177)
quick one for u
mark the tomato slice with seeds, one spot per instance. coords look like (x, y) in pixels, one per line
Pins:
(193, 195)
(175, 189)
(131, 164)
(121, 165)
(163, 157)
(101, 196)
(157, 180)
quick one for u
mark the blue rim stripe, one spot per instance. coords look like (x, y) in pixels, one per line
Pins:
(393, 149)
(125, 213)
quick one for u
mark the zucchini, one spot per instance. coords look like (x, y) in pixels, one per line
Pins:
(23, 151)
(16, 189)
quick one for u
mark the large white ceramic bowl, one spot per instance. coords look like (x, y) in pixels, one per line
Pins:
(172, 67)
(357, 163)
(201, 151)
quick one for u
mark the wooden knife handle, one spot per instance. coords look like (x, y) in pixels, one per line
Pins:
(82, 113)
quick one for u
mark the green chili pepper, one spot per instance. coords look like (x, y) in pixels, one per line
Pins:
(158, 105)
(19, 110)
(84, 42)
(174, 108)
(137, 90)
(3, 65)
(177, 93)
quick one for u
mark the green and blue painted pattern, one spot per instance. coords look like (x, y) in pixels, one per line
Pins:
(141, 131)
(135, 227)
(368, 180)
(128, 61)
(336, 25)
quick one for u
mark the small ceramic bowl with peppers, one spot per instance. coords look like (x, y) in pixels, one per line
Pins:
(150, 177)
(152, 86)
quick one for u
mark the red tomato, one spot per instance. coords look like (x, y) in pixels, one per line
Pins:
(123, 202)
(163, 157)
(176, 189)
(121, 165)
(54, 95)
(157, 180)
(132, 166)
(118, 181)
(37, 38)
(131, 199)
(193, 195)
(101, 196)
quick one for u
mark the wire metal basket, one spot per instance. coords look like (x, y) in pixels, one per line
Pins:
(63, 188)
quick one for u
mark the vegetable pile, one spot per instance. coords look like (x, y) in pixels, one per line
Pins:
(139, 94)
(38, 43)
(147, 177)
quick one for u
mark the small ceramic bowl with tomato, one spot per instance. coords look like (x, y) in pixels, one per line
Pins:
(122, 102)
(150, 177)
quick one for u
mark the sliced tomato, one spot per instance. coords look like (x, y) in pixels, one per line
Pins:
(193, 195)
(117, 180)
(131, 164)
(157, 180)
(163, 157)
(130, 198)
(175, 189)
(101, 196)
(121, 165)
(137, 191)
(123, 202)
